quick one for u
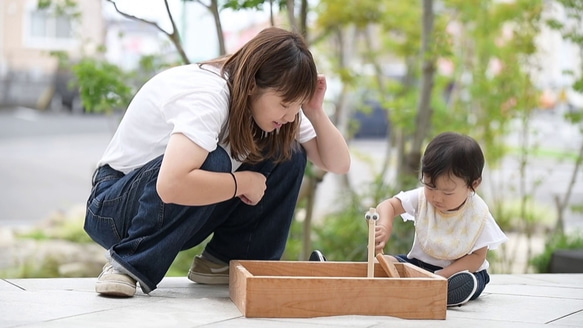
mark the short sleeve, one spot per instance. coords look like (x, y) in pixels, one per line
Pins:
(410, 202)
(200, 116)
(492, 236)
(307, 131)
(198, 107)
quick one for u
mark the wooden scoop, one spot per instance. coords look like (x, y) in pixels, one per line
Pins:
(388, 266)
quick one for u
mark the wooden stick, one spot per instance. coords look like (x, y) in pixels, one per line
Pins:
(371, 217)
(388, 266)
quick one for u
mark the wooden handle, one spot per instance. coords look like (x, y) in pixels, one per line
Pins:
(388, 266)
(371, 218)
(371, 249)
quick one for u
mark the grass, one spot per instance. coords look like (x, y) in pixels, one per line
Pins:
(547, 153)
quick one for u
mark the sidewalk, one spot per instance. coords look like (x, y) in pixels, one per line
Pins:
(530, 300)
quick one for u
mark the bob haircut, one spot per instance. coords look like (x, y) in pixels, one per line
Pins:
(453, 153)
(274, 59)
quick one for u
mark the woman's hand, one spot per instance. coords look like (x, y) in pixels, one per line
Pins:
(251, 186)
(328, 150)
(314, 105)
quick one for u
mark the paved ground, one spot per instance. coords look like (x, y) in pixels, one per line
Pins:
(513, 301)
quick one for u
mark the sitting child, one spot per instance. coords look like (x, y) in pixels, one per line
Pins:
(453, 227)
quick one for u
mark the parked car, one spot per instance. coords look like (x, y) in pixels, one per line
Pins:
(371, 120)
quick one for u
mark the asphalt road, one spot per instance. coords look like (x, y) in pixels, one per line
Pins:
(47, 160)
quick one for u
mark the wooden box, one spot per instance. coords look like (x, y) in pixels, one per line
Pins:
(303, 289)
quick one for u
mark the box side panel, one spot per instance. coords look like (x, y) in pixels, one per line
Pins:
(305, 268)
(310, 269)
(305, 297)
(412, 271)
(238, 277)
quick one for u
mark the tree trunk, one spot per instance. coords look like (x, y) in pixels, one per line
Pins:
(174, 36)
(303, 28)
(214, 8)
(424, 110)
(291, 9)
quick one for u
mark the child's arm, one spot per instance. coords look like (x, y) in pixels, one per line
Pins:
(387, 210)
(470, 262)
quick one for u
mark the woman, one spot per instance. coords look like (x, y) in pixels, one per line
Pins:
(215, 148)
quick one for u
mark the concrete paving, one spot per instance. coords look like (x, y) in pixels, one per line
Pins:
(529, 300)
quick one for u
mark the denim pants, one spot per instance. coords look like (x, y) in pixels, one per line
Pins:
(143, 235)
(482, 277)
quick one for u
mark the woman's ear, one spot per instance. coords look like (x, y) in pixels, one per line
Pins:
(252, 88)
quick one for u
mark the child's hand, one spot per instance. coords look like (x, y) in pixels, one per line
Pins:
(381, 236)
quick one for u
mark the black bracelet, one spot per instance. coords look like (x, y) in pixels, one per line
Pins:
(235, 180)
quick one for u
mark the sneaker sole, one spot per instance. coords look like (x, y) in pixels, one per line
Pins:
(460, 289)
(208, 279)
(317, 256)
(115, 289)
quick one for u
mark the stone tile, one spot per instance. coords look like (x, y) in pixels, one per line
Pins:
(154, 312)
(573, 320)
(508, 307)
(178, 287)
(574, 280)
(46, 284)
(27, 307)
(567, 286)
(569, 292)
(566, 280)
(6, 285)
(513, 301)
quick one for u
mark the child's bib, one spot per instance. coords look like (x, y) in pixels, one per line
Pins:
(448, 236)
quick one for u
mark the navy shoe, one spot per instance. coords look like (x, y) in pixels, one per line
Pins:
(317, 256)
(461, 287)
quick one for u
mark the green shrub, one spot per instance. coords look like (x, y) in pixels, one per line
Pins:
(542, 262)
(183, 260)
(343, 235)
(64, 226)
(537, 217)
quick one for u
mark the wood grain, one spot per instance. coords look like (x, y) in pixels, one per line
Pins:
(388, 266)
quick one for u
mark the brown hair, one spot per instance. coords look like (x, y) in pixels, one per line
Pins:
(276, 59)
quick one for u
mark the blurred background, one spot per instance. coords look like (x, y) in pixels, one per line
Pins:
(506, 72)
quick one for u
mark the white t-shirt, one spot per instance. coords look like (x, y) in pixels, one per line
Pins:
(184, 99)
(440, 238)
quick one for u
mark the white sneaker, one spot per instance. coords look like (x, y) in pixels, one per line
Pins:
(112, 282)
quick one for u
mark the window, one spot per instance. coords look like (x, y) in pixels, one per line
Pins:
(48, 30)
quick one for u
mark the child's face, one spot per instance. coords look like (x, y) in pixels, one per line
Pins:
(271, 112)
(448, 194)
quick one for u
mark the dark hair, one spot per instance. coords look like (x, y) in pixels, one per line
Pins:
(453, 153)
(274, 59)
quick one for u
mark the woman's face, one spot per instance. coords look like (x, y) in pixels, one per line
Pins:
(448, 194)
(270, 112)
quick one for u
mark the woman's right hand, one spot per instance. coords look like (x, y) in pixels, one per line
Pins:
(251, 186)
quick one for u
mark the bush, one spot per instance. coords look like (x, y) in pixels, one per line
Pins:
(542, 262)
(343, 235)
